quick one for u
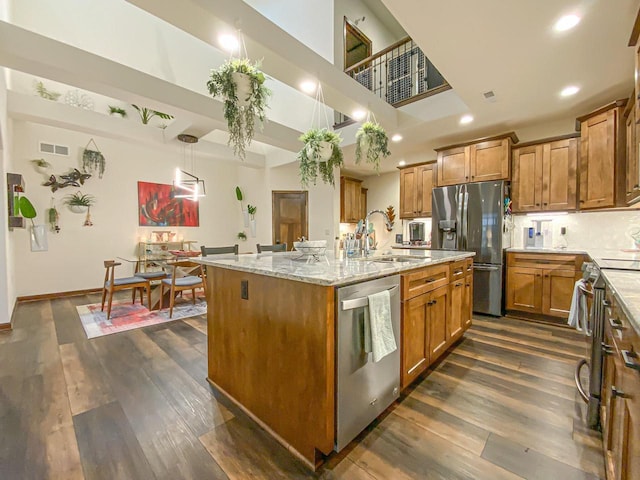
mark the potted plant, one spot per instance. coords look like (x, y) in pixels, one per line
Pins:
(321, 154)
(41, 165)
(242, 236)
(245, 213)
(372, 141)
(117, 111)
(79, 202)
(147, 114)
(241, 84)
(252, 223)
(38, 234)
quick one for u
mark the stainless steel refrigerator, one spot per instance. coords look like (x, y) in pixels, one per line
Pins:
(470, 217)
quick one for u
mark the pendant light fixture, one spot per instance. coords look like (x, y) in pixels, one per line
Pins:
(185, 184)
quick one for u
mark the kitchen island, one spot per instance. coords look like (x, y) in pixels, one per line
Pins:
(272, 333)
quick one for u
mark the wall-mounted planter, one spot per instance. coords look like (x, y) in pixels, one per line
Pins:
(39, 238)
(15, 186)
(78, 208)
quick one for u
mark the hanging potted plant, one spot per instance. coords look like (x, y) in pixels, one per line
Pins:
(241, 84)
(372, 142)
(320, 155)
(79, 202)
(93, 160)
(41, 165)
(252, 209)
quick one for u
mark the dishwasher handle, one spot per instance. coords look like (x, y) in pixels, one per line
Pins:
(364, 301)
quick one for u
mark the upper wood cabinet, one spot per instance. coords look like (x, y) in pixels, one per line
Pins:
(545, 175)
(416, 184)
(476, 161)
(602, 157)
(350, 200)
(632, 184)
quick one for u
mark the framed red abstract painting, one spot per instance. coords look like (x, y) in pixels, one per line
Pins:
(157, 206)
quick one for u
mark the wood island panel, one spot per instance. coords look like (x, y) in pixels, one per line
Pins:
(274, 355)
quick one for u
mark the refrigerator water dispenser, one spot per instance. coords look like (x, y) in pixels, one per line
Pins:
(448, 234)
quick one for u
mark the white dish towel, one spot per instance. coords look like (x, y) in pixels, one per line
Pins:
(578, 311)
(378, 330)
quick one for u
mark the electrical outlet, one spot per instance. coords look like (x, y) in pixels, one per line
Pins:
(244, 289)
(563, 230)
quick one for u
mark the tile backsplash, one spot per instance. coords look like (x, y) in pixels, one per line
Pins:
(584, 229)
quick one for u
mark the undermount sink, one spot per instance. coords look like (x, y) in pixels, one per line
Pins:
(396, 259)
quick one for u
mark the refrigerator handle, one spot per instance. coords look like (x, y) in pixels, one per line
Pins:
(459, 219)
(465, 223)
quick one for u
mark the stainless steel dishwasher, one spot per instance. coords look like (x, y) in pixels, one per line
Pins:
(364, 388)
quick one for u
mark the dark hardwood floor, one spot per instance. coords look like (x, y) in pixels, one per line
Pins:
(136, 405)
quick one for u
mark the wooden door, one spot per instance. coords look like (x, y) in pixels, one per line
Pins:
(408, 193)
(453, 166)
(350, 196)
(557, 291)
(438, 312)
(468, 302)
(526, 187)
(290, 217)
(559, 175)
(425, 177)
(632, 186)
(457, 311)
(524, 289)
(597, 160)
(415, 338)
(490, 160)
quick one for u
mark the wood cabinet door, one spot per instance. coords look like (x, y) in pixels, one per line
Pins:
(457, 308)
(632, 185)
(438, 322)
(415, 338)
(526, 187)
(630, 423)
(490, 160)
(559, 175)
(597, 161)
(350, 195)
(468, 302)
(425, 176)
(557, 291)
(453, 166)
(408, 193)
(524, 289)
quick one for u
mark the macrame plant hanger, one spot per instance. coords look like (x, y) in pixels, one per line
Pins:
(316, 117)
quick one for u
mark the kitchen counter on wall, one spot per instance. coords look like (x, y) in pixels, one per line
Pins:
(570, 251)
(328, 270)
(399, 246)
(594, 253)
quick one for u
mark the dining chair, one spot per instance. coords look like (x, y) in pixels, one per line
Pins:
(177, 283)
(112, 284)
(278, 247)
(218, 250)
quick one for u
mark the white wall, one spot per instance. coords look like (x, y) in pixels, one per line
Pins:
(585, 230)
(310, 22)
(384, 190)
(75, 255)
(7, 293)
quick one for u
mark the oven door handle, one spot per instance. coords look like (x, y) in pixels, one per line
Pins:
(364, 301)
(576, 376)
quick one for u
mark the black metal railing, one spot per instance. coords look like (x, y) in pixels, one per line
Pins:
(399, 74)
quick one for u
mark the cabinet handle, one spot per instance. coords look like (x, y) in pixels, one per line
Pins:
(606, 303)
(545, 204)
(629, 359)
(537, 274)
(581, 201)
(607, 349)
(458, 285)
(466, 178)
(617, 393)
(615, 323)
(537, 204)
(546, 276)
(434, 302)
(430, 302)
(636, 187)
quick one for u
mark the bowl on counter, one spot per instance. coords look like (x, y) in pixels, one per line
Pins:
(314, 247)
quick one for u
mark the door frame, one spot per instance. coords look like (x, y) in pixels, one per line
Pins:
(273, 211)
(350, 27)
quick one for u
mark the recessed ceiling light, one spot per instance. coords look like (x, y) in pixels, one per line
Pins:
(466, 119)
(570, 90)
(566, 22)
(308, 86)
(228, 42)
(402, 163)
(396, 138)
(358, 114)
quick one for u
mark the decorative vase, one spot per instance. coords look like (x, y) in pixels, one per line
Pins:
(252, 225)
(245, 214)
(243, 88)
(38, 238)
(78, 208)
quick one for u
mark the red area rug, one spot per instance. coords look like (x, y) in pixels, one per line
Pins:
(125, 316)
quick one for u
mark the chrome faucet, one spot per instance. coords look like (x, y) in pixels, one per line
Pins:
(366, 228)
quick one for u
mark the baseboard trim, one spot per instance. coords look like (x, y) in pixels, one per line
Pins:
(49, 296)
(5, 327)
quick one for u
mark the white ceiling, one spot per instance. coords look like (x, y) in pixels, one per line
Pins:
(505, 46)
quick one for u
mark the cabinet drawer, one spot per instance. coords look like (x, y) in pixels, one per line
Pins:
(468, 266)
(547, 261)
(425, 280)
(457, 270)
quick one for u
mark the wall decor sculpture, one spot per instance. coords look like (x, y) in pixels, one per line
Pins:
(158, 206)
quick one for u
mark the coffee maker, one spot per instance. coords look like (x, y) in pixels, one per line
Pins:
(416, 233)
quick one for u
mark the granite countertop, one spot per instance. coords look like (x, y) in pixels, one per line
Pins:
(328, 270)
(625, 286)
(399, 246)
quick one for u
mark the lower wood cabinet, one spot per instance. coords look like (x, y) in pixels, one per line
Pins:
(436, 310)
(620, 409)
(542, 283)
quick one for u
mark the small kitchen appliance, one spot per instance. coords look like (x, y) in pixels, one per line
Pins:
(416, 232)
